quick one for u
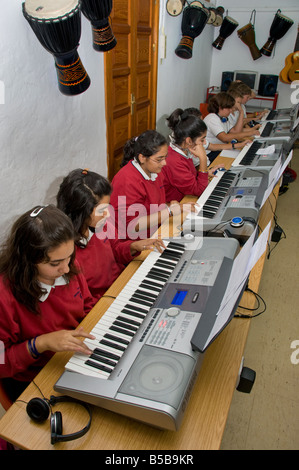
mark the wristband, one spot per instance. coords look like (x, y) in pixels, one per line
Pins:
(233, 142)
(203, 171)
(32, 348)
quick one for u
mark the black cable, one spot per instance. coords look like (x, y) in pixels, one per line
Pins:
(258, 299)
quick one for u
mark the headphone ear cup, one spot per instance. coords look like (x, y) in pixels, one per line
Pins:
(56, 427)
(38, 409)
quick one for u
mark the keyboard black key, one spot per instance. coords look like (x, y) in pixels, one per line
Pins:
(126, 326)
(104, 353)
(128, 320)
(131, 312)
(98, 366)
(117, 338)
(106, 361)
(112, 345)
(121, 330)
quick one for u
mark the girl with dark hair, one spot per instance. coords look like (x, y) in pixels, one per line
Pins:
(85, 197)
(187, 141)
(138, 195)
(44, 296)
(214, 147)
(219, 127)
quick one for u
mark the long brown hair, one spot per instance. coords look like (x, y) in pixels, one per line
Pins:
(32, 236)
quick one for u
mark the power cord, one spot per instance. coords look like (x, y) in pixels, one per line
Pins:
(277, 231)
(259, 299)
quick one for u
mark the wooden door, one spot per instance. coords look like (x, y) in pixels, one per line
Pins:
(131, 75)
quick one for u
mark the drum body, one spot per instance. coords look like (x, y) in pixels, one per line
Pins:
(247, 35)
(193, 23)
(97, 12)
(280, 26)
(226, 29)
(59, 33)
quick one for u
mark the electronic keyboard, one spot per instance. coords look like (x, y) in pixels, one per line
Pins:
(150, 342)
(283, 114)
(275, 130)
(231, 195)
(249, 157)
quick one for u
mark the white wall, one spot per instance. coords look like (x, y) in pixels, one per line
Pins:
(43, 133)
(235, 55)
(181, 82)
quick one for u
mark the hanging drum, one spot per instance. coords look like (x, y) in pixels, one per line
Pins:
(193, 22)
(219, 16)
(226, 29)
(247, 35)
(280, 26)
(175, 7)
(97, 12)
(201, 5)
(57, 26)
(212, 15)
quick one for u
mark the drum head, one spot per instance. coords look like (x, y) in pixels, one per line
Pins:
(49, 9)
(218, 20)
(231, 20)
(174, 7)
(196, 4)
(286, 18)
(212, 16)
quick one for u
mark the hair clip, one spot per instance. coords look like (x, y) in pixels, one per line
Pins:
(85, 171)
(37, 211)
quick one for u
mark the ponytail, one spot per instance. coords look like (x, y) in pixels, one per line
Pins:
(147, 144)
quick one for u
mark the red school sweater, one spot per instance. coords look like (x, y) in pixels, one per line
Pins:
(64, 308)
(102, 261)
(181, 178)
(134, 196)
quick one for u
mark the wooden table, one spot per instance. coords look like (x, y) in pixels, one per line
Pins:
(205, 418)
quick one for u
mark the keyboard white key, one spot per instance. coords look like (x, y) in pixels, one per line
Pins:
(118, 326)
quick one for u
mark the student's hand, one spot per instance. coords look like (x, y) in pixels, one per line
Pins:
(199, 151)
(148, 244)
(214, 169)
(64, 340)
(237, 106)
(240, 145)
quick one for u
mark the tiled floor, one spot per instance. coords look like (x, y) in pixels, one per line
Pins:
(268, 417)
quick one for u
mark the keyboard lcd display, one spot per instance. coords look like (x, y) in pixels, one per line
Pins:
(179, 297)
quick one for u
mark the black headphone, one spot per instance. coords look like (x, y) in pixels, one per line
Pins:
(38, 409)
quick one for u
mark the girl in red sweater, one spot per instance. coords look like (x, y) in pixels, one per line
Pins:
(43, 298)
(85, 197)
(187, 141)
(138, 196)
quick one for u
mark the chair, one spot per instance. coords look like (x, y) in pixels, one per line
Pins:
(203, 108)
(5, 401)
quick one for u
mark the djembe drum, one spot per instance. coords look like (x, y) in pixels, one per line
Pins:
(193, 22)
(226, 29)
(247, 35)
(57, 26)
(97, 12)
(175, 7)
(280, 26)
